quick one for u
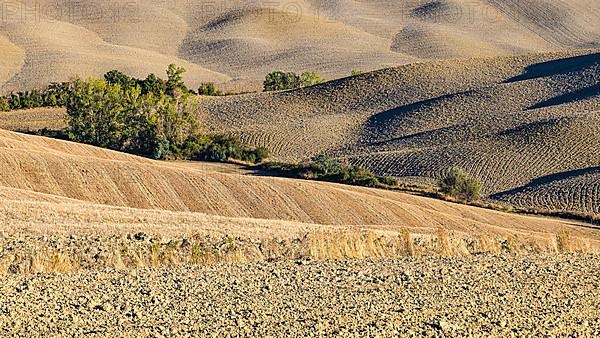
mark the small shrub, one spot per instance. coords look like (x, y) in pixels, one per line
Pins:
(324, 165)
(209, 89)
(279, 80)
(222, 148)
(359, 176)
(310, 79)
(4, 105)
(388, 180)
(458, 183)
(509, 245)
(117, 77)
(357, 72)
(326, 168)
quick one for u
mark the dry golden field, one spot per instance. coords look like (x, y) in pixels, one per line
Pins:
(237, 42)
(100, 243)
(58, 189)
(527, 126)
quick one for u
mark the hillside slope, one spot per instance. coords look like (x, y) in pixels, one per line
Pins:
(237, 42)
(51, 184)
(528, 126)
(508, 120)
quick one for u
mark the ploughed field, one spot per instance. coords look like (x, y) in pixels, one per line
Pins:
(422, 297)
(236, 43)
(527, 126)
(100, 243)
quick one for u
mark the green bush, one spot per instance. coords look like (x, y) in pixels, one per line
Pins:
(279, 80)
(4, 105)
(126, 82)
(209, 89)
(459, 184)
(325, 168)
(153, 85)
(222, 148)
(53, 96)
(356, 72)
(310, 79)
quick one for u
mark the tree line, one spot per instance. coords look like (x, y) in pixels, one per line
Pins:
(151, 117)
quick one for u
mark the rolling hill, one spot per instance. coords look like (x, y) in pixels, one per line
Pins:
(236, 43)
(528, 126)
(52, 186)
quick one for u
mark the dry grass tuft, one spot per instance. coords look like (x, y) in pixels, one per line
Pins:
(129, 253)
(565, 243)
(51, 261)
(443, 242)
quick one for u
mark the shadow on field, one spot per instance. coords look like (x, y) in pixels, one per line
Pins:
(581, 94)
(557, 67)
(548, 179)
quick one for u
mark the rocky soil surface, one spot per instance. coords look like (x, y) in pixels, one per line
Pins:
(491, 296)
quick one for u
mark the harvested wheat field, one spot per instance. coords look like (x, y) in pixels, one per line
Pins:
(237, 42)
(527, 126)
(71, 207)
(102, 243)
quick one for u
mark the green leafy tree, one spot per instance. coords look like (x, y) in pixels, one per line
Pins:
(310, 79)
(107, 115)
(117, 77)
(96, 113)
(155, 85)
(175, 80)
(279, 80)
(458, 183)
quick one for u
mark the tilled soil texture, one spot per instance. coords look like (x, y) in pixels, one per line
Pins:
(527, 126)
(490, 296)
(236, 43)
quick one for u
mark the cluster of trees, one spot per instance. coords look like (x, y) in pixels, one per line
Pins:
(326, 168)
(54, 95)
(459, 184)
(150, 117)
(152, 84)
(279, 80)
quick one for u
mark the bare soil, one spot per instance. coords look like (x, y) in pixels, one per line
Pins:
(484, 296)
